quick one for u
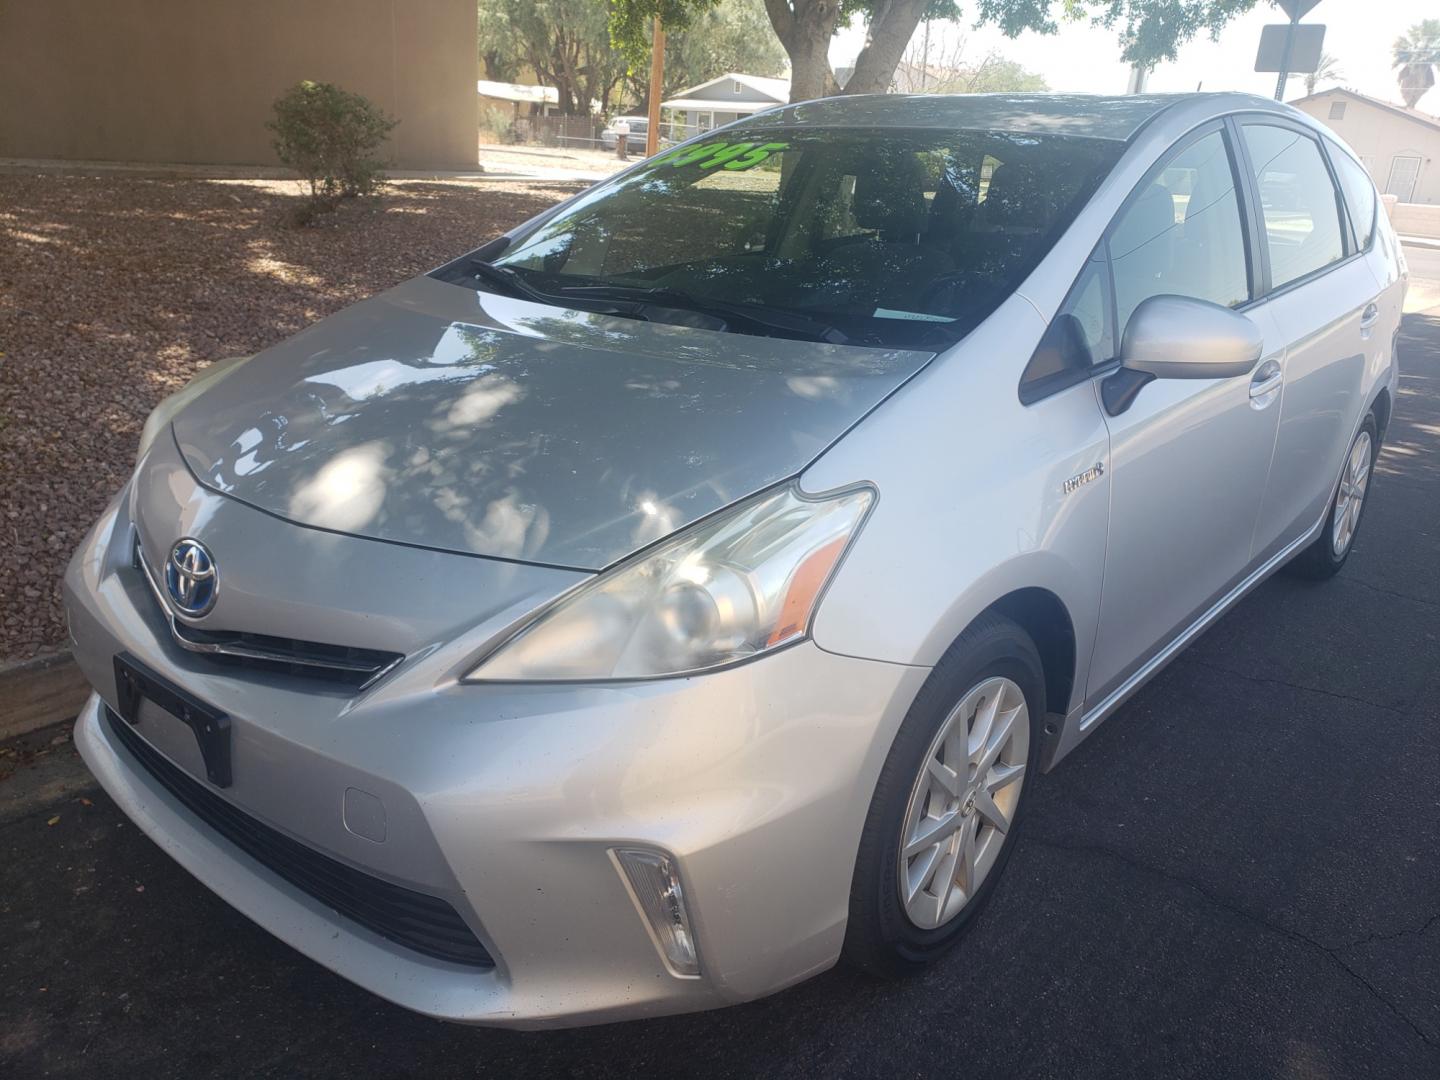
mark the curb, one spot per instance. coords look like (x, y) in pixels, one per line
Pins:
(39, 692)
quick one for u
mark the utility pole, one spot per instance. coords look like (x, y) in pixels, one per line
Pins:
(657, 74)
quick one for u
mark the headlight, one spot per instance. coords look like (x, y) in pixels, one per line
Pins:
(160, 417)
(724, 590)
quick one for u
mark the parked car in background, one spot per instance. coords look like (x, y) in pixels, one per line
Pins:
(684, 591)
(639, 130)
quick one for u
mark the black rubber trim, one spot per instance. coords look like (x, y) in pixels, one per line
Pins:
(420, 922)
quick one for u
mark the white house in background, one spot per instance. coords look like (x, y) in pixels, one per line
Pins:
(526, 98)
(721, 101)
(1400, 147)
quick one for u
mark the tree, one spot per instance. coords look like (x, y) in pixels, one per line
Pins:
(565, 43)
(997, 75)
(1329, 70)
(1416, 55)
(805, 28)
(1149, 30)
(497, 43)
(935, 63)
(734, 35)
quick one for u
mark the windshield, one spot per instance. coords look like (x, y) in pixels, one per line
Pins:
(892, 237)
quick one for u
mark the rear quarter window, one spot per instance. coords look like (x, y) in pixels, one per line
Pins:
(1359, 193)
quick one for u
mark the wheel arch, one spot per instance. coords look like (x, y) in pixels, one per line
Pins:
(1044, 617)
(1380, 406)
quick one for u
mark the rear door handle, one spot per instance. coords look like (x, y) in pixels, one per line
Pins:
(1265, 384)
(1370, 316)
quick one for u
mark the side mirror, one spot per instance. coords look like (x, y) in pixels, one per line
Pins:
(1178, 337)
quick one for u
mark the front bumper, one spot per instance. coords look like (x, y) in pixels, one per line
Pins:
(505, 801)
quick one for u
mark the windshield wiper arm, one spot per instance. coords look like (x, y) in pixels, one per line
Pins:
(510, 281)
(762, 316)
(642, 303)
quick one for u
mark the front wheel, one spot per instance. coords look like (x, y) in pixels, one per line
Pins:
(1327, 554)
(942, 821)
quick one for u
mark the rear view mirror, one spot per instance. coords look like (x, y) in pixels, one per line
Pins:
(1178, 337)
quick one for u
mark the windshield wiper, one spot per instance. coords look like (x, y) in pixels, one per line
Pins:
(652, 304)
(760, 316)
(510, 281)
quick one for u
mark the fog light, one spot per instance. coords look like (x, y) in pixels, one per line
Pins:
(655, 888)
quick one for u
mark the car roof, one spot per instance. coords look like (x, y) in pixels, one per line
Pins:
(1092, 115)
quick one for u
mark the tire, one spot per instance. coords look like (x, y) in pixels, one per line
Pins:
(886, 934)
(1324, 558)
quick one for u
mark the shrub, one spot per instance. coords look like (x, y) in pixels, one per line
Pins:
(495, 122)
(329, 136)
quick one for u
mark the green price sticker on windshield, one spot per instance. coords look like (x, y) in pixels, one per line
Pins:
(735, 156)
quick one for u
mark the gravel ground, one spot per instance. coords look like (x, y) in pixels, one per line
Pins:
(114, 289)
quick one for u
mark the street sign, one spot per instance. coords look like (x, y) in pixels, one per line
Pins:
(1303, 54)
(1296, 9)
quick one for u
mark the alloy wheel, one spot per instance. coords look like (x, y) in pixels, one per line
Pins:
(1350, 499)
(963, 802)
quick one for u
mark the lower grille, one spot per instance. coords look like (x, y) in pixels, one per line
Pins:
(415, 920)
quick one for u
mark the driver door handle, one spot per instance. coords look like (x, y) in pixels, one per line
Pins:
(1368, 318)
(1265, 383)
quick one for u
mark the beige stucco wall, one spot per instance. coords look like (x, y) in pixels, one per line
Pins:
(193, 80)
(1379, 135)
(1416, 219)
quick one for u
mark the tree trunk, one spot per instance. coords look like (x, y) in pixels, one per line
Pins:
(495, 70)
(805, 28)
(810, 73)
(891, 29)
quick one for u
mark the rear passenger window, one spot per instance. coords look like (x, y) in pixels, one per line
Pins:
(1182, 234)
(1359, 195)
(1298, 201)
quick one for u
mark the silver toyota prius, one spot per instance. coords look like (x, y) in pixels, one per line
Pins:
(683, 592)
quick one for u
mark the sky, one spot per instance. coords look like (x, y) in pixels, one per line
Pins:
(1086, 59)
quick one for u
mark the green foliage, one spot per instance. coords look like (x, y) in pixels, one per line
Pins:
(734, 35)
(1416, 55)
(495, 122)
(938, 10)
(562, 43)
(996, 75)
(498, 48)
(631, 22)
(1328, 70)
(329, 136)
(1150, 30)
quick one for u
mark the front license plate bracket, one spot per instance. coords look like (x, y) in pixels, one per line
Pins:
(211, 727)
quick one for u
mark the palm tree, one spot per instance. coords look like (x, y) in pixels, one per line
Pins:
(1329, 70)
(1417, 54)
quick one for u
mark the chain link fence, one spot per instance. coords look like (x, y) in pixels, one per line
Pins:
(580, 132)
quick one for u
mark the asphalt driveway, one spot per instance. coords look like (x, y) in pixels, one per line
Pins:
(1237, 876)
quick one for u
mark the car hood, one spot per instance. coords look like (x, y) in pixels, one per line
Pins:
(447, 418)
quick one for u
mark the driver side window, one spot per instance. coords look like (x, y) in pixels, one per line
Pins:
(1182, 234)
